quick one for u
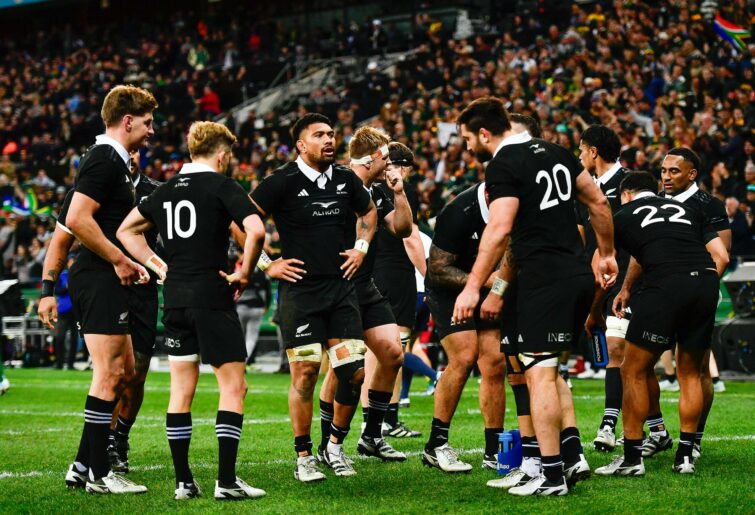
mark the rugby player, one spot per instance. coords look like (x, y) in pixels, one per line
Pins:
(571, 447)
(531, 187)
(368, 151)
(677, 303)
(193, 213)
(142, 325)
(599, 150)
(453, 251)
(395, 277)
(312, 201)
(104, 194)
(679, 172)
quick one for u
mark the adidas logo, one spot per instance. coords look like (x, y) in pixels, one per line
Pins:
(475, 237)
(300, 331)
(127, 179)
(303, 193)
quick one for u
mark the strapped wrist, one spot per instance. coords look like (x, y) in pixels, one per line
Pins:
(48, 289)
(362, 246)
(499, 286)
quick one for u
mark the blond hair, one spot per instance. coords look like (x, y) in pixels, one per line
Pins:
(126, 99)
(365, 141)
(206, 138)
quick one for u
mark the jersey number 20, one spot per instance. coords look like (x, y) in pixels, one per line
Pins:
(652, 210)
(551, 179)
(174, 219)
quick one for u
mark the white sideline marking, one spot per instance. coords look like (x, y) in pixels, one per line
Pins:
(208, 465)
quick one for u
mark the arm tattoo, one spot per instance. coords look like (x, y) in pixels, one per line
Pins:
(364, 227)
(55, 272)
(441, 271)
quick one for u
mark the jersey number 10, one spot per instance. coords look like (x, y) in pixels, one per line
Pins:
(174, 219)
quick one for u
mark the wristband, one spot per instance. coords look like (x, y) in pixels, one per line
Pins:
(48, 289)
(264, 261)
(157, 265)
(499, 286)
(362, 246)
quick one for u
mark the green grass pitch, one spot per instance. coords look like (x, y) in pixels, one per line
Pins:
(41, 419)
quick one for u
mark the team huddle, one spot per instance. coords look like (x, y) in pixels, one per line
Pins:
(520, 265)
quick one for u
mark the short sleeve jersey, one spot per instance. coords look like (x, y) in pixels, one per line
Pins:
(542, 175)
(392, 253)
(384, 206)
(144, 186)
(664, 236)
(312, 222)
(193, 212)
(459, 228)
(105, 178)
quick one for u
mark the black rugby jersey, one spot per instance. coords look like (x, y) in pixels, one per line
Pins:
(664, 236)
(542, 175)
(609, 184)
(193, 212)
(144, 186)
(384, 206)
(392, 253)
(105, 178)
(713, 209)
(458, 229)
(312, 222)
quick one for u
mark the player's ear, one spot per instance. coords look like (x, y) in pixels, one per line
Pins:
(128, 121)
(300, 146)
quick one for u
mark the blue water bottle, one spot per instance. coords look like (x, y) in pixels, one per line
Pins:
(509, 451)
(599, 348)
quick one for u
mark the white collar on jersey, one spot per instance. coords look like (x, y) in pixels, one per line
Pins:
(683, 196)
(603, 179)
(104, 139)
(521, 137)
(310, 172)
(644, 194)
(138, 178)
(484, 209)
(195, 168)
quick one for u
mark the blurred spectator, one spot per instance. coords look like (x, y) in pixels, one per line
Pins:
(741, 239)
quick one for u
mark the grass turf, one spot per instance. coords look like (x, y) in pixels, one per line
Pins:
(41, 420)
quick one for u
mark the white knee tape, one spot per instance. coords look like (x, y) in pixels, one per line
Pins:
(311, 352)
(348, 351)
(192, 358)
(616, 327)
(405, 337)
(539, 359)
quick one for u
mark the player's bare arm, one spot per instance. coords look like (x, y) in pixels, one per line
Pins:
(415, 251)
(366, 226)
(600, 213)
(493, 304)
(84, 227)
(399, 221)
(255, 239)
(55, 262)
(634, 271)
(131, 235)
(717, 249)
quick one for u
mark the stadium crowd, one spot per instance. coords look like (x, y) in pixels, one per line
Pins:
(657, 75)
